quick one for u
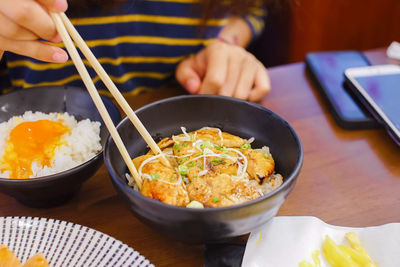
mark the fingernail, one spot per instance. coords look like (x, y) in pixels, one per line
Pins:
(60, 57)
(192, 85)
(56, 39)
(61, 5)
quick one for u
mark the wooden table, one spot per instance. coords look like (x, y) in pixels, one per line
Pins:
(349, 177)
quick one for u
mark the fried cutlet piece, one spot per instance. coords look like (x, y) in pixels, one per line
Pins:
(212, 135)
(164, 184)
(214, 165)
(8, 258)
(37, 260)
(259, 164)
(166, 142)
(222, 190)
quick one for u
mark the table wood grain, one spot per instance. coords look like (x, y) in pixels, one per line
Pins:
(349, 177)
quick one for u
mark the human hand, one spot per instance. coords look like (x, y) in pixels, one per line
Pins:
(224, 69)
(23, 22)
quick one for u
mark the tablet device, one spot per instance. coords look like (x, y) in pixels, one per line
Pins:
(327, 71)
(378, 87)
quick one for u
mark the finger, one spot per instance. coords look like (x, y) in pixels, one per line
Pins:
(11, 30)
(56, 39)
(200, 63)
(54, 5)
(234, 68)
(246, 79)
(217, 62)
(262, 85)
(187, 76)
(35, 49)
(30, 15)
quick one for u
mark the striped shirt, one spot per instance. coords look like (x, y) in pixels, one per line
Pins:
(139, 44)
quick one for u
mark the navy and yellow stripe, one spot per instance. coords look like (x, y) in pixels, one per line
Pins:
(139, 44)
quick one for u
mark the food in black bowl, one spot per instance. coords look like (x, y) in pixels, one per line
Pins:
(51, 141)
(243, 119)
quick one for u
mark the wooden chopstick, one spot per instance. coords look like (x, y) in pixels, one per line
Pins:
(95, 96)
(112, 88)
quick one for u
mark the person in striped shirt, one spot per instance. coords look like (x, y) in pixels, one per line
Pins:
(142, 44)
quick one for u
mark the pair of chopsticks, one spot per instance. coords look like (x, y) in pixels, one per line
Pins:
(64, 26)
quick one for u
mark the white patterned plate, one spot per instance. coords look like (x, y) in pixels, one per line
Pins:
(66, 244)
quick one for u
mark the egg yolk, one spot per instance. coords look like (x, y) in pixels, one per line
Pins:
(31, 141)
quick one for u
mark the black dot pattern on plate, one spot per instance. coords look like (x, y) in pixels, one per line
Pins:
(66, 244)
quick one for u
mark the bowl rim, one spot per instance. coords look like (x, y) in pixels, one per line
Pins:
(287, 182)
(70, 171)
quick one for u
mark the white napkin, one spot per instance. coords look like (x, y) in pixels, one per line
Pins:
(393, 50)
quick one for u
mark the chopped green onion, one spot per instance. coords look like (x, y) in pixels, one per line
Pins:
(190, 164)
(191, 136)
(200, 165)
(184, 144)
(266, 155)
(176, 146)
(219, 147)
(185, 179)
(173, 177)
(155, 176)
(183, 160)
(226, 153)
(245, 146)
(216, 162)
(183, 169)
(206, 144)
(215, 199)
(199, 154)
(196, 176)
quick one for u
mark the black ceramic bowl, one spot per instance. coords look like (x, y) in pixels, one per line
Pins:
(164, 118)
(56, 189)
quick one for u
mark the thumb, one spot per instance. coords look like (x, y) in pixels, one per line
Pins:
(187, 75)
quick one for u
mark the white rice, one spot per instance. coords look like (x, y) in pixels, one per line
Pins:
(80, 144)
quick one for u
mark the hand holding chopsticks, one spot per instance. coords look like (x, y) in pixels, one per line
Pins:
(64, 26)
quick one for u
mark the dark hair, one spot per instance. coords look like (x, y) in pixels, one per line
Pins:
(209, 8)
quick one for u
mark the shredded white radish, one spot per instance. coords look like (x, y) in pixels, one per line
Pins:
(215, 129)
(147, 176)
(130, 179)
(241, 171)
(184, 138)
(265, 150)
(184, 156)
(184, 132)
(203, 172)
(198, 143)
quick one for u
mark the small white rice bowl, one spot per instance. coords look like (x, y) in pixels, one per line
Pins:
(80, 144)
